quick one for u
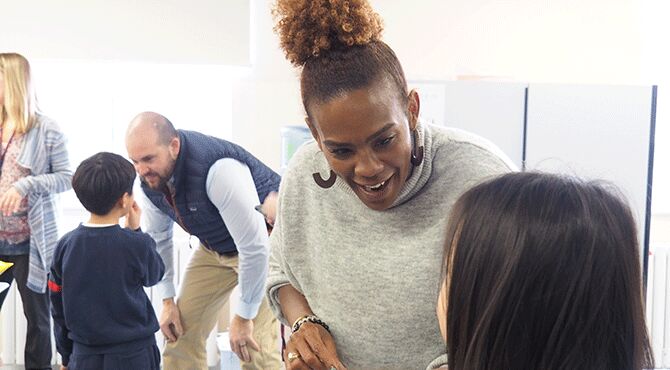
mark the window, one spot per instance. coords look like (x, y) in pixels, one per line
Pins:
(93, 102)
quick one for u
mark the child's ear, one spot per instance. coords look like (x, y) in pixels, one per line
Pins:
(125, 201)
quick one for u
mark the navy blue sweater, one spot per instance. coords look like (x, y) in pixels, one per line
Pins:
(96, 289)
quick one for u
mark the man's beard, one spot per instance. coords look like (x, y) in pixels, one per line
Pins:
(158, 186)
(162, 179)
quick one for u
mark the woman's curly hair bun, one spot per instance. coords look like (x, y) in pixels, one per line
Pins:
(311, 28)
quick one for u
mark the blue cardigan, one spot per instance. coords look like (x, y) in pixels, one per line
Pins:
(45, 155)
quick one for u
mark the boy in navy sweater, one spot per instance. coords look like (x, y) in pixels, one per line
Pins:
(102, 317)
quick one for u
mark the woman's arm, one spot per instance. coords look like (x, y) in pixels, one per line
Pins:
(312, 343)
(59, 175)
(311, 346)
(293, 304)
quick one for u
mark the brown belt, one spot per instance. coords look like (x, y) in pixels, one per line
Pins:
(225, 254)
(229, 254)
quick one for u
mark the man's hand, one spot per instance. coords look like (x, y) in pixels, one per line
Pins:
(170, 320)
(311, 347)
(241, 338)
(10, 201)
(133, 217)
(269, 208)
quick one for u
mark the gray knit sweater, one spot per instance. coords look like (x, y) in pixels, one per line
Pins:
(373, 276)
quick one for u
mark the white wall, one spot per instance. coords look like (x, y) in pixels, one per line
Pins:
(565, 41)
(660, 228)
(560, 41)
(593, 41)
(269, 97)
(162, 31)
(656, 59)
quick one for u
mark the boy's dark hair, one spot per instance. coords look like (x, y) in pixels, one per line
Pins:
(101, 180)
(544, 273)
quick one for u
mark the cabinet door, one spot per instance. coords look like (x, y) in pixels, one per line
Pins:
(493, 110)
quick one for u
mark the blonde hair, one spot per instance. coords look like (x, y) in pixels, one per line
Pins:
(20, 103)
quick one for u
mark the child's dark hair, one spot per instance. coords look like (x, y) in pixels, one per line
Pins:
(544, 273)
(101, 180)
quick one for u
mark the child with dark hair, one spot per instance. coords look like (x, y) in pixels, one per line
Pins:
(543, 272)
(103, 319)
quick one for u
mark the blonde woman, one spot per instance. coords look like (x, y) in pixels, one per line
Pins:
(34, 166)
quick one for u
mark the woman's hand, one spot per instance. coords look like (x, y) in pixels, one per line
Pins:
(10, 201)
(312, 347)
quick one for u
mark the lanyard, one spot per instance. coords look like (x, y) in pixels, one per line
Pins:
(2, 153)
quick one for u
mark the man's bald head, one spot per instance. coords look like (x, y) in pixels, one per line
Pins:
(153, 147)
(150, 125)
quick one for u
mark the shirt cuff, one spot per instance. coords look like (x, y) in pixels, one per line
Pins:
(165, 289)
(21, 186)
(248, 310)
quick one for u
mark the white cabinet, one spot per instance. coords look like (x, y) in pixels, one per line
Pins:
(594, 132)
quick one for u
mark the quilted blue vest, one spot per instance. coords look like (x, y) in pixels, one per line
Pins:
(193, 210)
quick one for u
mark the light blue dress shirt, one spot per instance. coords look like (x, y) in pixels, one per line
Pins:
(230, 187)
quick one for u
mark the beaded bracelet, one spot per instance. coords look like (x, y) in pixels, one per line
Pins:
(309, 318)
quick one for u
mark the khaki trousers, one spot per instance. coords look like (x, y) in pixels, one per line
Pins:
(206, 287)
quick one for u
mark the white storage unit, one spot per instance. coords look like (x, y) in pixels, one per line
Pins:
(658, 310)
(591, 131)
(493, 110)
(596, 132)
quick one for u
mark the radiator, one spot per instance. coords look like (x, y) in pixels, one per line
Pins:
(658, 303)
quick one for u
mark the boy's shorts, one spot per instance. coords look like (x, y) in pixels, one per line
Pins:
(146, 358)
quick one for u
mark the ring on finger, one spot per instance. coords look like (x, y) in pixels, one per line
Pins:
(293, 356)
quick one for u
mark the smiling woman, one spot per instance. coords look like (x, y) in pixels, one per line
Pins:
(356, 253)
(366, 139)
